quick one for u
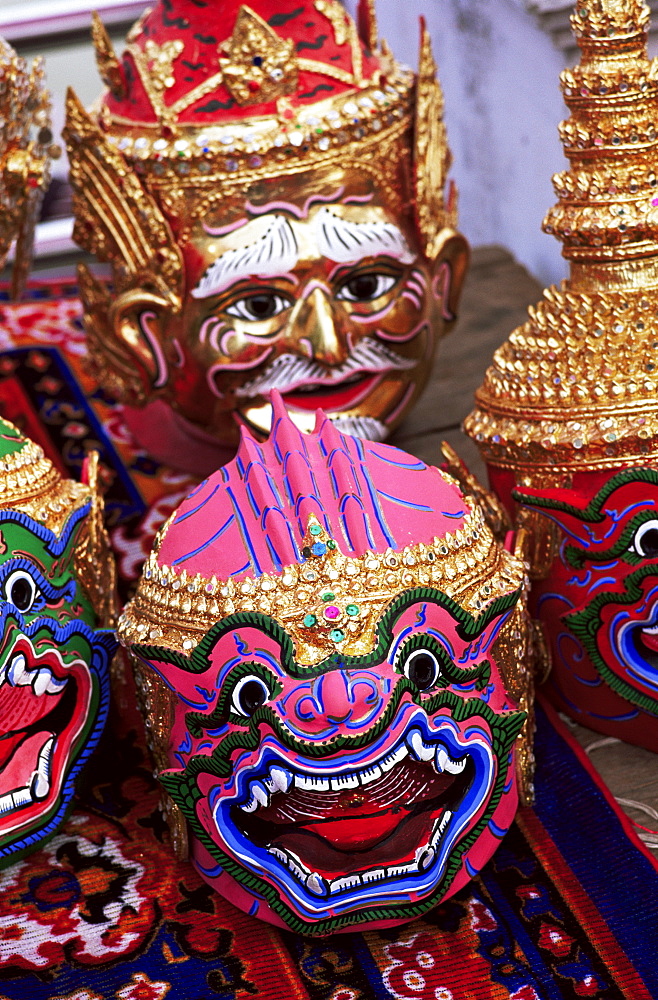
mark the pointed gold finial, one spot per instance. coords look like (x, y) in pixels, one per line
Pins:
(607, 21)
(431, 153)
(607, 207)
(576, 387)
(109, 66)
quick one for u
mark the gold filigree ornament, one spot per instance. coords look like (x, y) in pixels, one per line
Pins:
(25, 150)
(175, 139)
(258, 65)
(576, 387)
(433, 156)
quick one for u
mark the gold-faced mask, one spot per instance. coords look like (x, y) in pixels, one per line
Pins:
(261, 237)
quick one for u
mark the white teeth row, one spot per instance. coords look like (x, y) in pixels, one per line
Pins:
(319, 886)
(36, 789)
(280, 780)
(41, 680)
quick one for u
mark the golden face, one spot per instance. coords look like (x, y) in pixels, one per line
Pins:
(312, 285)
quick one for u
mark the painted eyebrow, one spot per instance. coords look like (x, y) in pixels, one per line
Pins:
(274, 253)
(349, 242)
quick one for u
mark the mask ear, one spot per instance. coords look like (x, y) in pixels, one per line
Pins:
(126, 336)
(138, 319)
(450, 267)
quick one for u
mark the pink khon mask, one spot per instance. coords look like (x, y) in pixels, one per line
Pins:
(330, 649)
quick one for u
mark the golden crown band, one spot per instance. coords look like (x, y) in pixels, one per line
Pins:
(31, 483)
(328, 604)
(295, 136)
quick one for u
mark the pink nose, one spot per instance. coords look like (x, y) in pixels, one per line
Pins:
(350, 699)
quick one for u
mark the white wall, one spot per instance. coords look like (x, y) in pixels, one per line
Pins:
(499, 72)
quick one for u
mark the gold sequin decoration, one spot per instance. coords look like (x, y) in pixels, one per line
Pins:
(576, 386)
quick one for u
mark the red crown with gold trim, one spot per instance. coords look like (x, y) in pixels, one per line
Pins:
(209, 97)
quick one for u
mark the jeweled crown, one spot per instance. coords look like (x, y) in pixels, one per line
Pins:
(312, 530)
(207, 100)
(576, 387)
(331, 602)
(29, 481)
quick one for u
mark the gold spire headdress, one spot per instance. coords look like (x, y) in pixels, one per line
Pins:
(576, 387)
(25, 148)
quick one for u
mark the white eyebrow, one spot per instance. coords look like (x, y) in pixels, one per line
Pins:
(275, 252)
(349, 242)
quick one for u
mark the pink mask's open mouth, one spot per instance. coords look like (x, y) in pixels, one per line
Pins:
(382, 822)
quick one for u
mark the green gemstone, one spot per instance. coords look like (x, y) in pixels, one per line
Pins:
(316, 529)
(328, 596)
(336, 635)
(331, 544)
(352, 610)
(310, 620)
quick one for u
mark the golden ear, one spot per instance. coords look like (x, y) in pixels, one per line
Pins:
(450, 264)
(138, 320)
(124, 337)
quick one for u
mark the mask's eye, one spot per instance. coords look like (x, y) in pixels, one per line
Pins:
(20, 590)
(645, 541)
(249, 695)
(258, 307)
(366, 287)
(422, 669)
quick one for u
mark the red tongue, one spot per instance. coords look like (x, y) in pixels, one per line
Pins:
(650, 640)
(20, 707)
(8, 745)
(358, 832)
(18, 772)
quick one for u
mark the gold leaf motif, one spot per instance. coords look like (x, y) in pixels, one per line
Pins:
(109, 65)
(116, 218)
(258, 66)
(161, 60)
(432, 156)
(606, 18)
